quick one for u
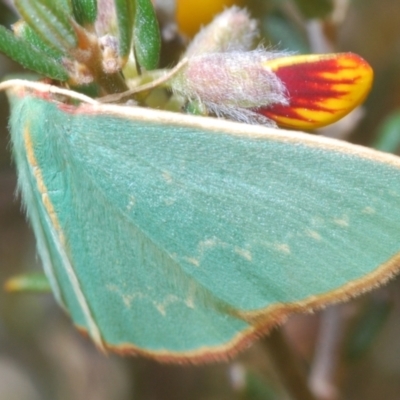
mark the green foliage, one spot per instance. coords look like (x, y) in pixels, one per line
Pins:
(30, 57)
(85, 11)
(25, 32)
(58, 39)
(146, 35)
(30, 282)
(125, 10)
(49, 21)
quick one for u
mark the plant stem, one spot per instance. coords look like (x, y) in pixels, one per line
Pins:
(112, 83)
(287, 366)
(89, 54)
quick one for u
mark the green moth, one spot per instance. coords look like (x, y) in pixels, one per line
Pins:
(184, 238)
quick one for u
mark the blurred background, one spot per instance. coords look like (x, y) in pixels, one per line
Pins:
(351, 351)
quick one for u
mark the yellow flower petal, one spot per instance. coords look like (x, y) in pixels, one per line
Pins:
(321, 89)
(191, 15)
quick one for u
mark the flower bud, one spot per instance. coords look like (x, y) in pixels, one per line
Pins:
(232, 30)
(321, 88)
(228, 83)
(300, 92)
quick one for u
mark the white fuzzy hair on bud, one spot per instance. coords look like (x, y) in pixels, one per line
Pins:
(224, 75)
(232, 30)
(232, 84)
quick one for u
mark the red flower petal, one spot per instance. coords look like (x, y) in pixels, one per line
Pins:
(321, 88)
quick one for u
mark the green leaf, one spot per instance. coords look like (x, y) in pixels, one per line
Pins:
(63, 6)
(29, 57)
(125, 10)
(147, 40)
(33, 282)
(50, 22)
(388, 138)
(85, 11)
(315, 8)
(181, 237)
(25, 32)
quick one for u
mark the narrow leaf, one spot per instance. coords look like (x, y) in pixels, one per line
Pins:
(85, 11)
(33, 282)
(25, 32)
(29, 57)
(63, 6)
(146, 34)
(49, 21)
(125, 10)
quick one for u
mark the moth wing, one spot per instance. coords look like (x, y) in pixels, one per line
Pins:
(182, 237)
